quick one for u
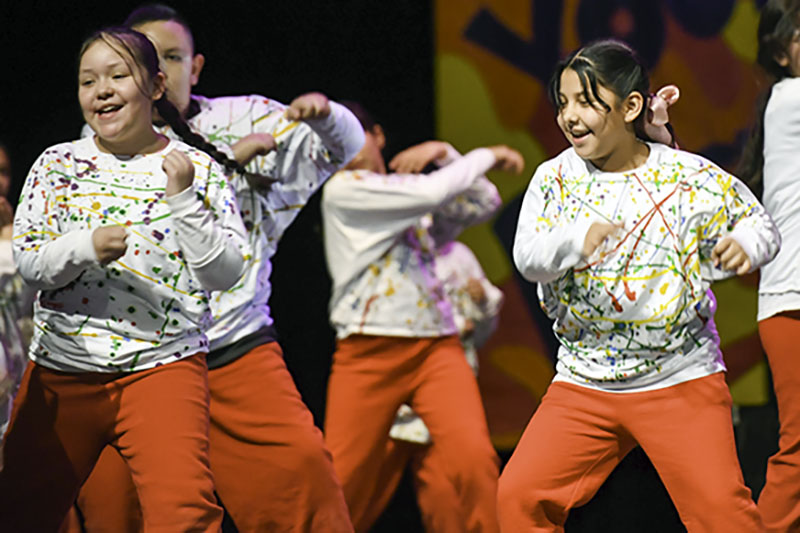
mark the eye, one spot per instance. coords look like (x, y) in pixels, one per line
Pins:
(120, 75)
(85, 83)
(173, 57)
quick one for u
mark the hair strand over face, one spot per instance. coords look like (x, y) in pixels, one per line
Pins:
(610, 63)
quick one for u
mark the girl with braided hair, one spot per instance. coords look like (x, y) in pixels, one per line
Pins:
(124, 234)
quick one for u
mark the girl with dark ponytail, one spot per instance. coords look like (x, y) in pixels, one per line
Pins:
(772, 168)
(125, 234)
(624, 237)
(271, 468)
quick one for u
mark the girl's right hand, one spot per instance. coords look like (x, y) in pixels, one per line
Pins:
(179, 170)
(507, 159)
(109, 243)
(597, 234)
(246, 148)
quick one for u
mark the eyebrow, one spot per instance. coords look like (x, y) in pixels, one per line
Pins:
(113, 65)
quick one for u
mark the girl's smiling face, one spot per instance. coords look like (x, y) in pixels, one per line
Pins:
(116, 99)
(602, 136)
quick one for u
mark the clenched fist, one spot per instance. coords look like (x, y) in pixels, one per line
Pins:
(110, 243)
(597, 234)
(309, 106)
(729, 255)
(179, 170)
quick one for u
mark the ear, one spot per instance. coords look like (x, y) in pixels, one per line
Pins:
(197, 66)
(159, 86)
(380, 137)
(632, 106)
(782, 59)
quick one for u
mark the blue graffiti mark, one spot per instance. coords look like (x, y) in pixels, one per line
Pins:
(641, 24)
(537, 56)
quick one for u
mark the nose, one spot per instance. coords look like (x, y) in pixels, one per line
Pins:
(104, 88)
(568, 114)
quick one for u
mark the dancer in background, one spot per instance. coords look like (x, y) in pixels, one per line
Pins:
(476, 306)
(16, 304)
(271, 468)
(624, 238)
(397, 340)
(124, 234)
(770, 167)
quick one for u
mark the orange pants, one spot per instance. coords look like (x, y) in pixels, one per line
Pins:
(371, 377)
(437, 496)
(270, 464)
(578, 435)
(779, 502)
(156, 418)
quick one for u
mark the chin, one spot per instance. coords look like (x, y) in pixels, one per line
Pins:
(583, 152)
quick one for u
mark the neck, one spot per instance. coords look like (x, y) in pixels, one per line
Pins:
(147, 143)
(623, 158)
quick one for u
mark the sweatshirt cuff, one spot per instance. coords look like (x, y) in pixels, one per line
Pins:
(749, 239)
(83, 253)
(340, 131)
(451, 155)
(183, 202)
(577, 235)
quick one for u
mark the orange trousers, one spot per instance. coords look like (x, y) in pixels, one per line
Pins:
(371, 377)
(779, 502)
(270, 464)
(437, 498)
(158, 421)
(578, 435)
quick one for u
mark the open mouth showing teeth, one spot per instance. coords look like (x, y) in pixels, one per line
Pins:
(109, 109)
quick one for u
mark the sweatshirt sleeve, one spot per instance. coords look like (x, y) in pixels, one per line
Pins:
(209, 228)
(401, 199)
(742, 217)
(473, 206)
(306, 152)
(548, 242)
(340, 133)
(47, 258)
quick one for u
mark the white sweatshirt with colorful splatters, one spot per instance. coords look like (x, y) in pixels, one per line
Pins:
(307, 154)
(150, 306)
(637, 314)
(475, 316)
(381, 234)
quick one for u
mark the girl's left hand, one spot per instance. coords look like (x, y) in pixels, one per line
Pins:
(309, 106)
(180, 172)
(475, 291)
(413, 160)
(729, 255)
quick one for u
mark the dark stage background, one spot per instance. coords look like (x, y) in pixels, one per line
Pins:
(377, 52)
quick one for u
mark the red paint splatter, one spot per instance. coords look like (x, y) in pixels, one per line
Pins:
(630, 294)
(614, 301)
